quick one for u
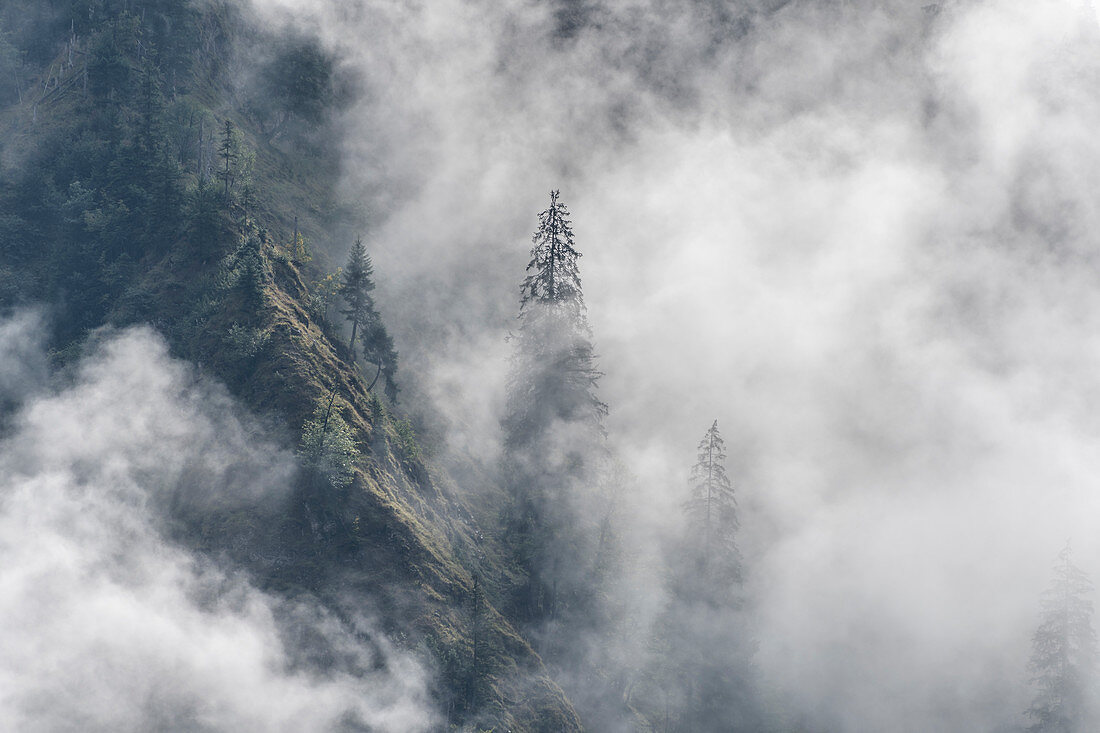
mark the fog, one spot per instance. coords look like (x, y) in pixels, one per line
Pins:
(857, 233)
(106, 624)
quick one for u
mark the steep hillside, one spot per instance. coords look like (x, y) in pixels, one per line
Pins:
(140, 185)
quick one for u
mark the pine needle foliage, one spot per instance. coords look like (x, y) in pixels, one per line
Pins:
(366, 323)
(553, 275)
(553, 428)
(554, 375)
(357, 287)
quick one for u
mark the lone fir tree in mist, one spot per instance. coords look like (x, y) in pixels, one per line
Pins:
(366, 323)
(358, 284)
(1064, 654)
(553, 427)
(701, 671)
(554, 375)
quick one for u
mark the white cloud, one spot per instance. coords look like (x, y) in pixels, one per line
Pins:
(859, 234)
(107, 625)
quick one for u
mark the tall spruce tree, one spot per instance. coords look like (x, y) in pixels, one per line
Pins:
(1064, 654)
(554, 374)
(553, 429)
(366, 323)
(358, 284)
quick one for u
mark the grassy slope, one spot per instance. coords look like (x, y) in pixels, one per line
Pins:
(396, 535)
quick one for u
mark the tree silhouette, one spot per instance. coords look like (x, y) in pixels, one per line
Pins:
(554, 376)
(229, 153)
(712, 514)
(1063, 658)
(366, 323)
(702, 672)
(358, 284)
(553, 428)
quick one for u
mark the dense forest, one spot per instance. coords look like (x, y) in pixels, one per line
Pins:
(285, 445)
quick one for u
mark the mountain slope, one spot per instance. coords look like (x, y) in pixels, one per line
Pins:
(115, 210)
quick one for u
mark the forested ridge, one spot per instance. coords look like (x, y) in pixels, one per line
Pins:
(139, 187)
(174, 169)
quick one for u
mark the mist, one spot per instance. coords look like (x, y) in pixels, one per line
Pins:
(108, 622)
(860, 234)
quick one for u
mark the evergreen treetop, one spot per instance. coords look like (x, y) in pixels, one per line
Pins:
(228, 152)
(554, 375)
(553, 275)
(553, 433)
(702, 643)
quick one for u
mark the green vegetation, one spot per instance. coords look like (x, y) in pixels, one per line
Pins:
(355, 289)
(406, 440)
(137, 187)
(140, 184)
(328, 449)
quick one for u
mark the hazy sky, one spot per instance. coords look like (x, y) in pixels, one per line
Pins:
(860, 234)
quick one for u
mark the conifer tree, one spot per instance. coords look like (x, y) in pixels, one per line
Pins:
(554, 375)
(358, 284)
(553, 429)
(227, 151)
(205, 219)
(478, 672)
(553, 275)
(298, 248)
(702, 671)
(378, 350)
(712, 515)
(237, 166)
(1064, 654)
(366, 323)
(153, 170)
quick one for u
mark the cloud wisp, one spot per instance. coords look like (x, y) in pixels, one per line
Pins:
(107, 623)
(861, 234)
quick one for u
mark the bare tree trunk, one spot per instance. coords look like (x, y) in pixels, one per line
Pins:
(376, 375)
(324, 425)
